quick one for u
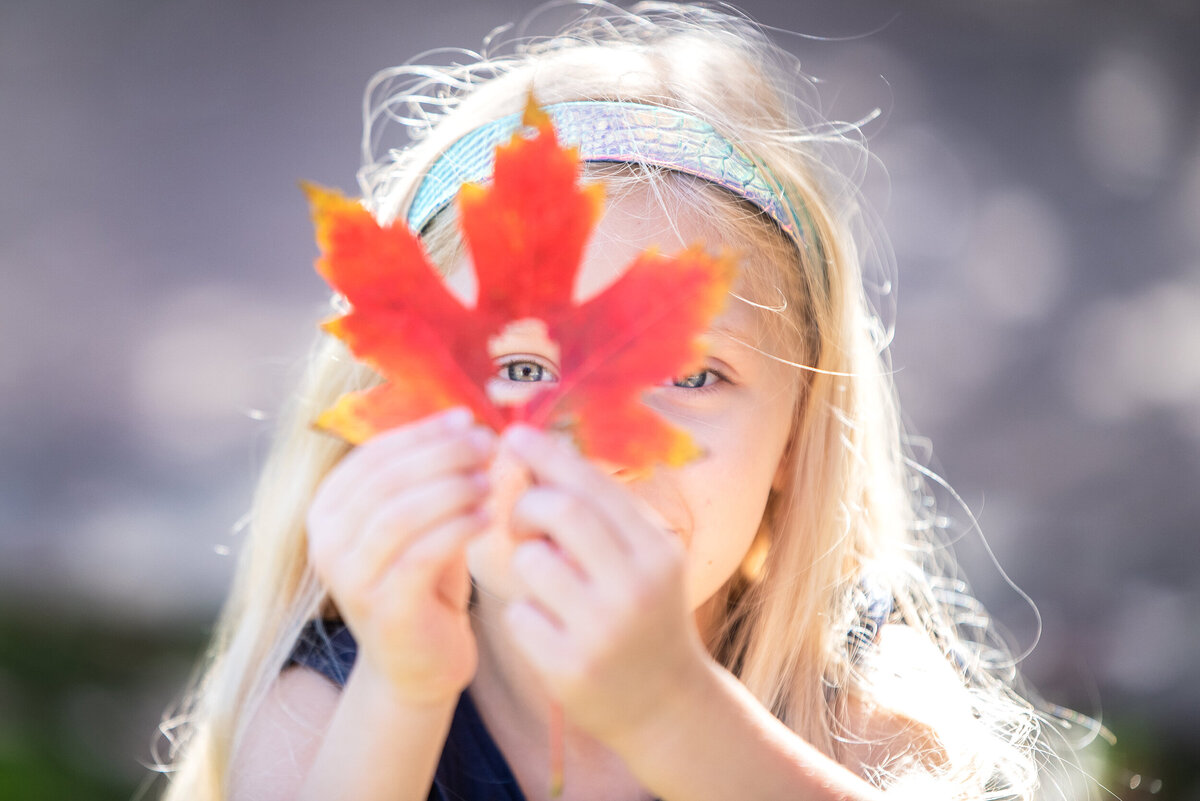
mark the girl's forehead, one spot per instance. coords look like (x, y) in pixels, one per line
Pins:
(634, 220)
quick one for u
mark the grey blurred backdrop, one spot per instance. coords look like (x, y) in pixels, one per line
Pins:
(1041, 188)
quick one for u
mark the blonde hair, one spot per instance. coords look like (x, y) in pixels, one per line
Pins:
(851, 523)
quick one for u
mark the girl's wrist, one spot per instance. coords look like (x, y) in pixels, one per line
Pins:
(694, 687)
(393, 694)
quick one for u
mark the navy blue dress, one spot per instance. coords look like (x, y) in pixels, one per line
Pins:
(471, 767)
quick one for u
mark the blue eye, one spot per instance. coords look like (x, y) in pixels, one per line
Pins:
(525, 371)
(700, 380)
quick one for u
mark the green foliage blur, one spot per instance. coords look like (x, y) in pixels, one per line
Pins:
(80, 702)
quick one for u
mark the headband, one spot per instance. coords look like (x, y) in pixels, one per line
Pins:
(611, 131)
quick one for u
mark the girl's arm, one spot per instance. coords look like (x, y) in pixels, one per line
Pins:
(379, 745)
(388, 530)
(283, 737)
(712, 740)
(310, 740)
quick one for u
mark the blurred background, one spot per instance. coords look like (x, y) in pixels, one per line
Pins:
(1040, 183)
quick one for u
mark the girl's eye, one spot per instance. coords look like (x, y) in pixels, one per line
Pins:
(697, 381)
(525, 371)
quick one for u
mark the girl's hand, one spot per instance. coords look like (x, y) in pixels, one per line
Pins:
(387, 533)
(606, 621)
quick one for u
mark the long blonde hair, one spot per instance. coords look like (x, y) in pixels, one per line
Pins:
(850, 524)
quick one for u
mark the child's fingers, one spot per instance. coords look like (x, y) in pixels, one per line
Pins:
(390, 445)
(351, 560)
(556, 464)
(548, 459)
(398, 524)
(542, 642)
(459, 451)
(574, 525)
(363, 492)
(551, 581)
(422, 565)
(454, 584)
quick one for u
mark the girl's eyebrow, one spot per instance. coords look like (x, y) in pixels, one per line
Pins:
(725, 329)
(732, 332)
(731, 345)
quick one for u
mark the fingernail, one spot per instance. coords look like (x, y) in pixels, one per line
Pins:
(521, 436)
(457, 418)
(482, 441)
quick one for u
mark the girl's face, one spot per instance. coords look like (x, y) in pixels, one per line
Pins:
(739, 410)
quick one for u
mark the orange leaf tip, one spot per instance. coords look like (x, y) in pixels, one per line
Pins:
(535, 116)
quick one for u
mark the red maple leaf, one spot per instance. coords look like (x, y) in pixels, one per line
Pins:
(525, 235)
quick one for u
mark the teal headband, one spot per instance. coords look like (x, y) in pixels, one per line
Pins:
(610, 131)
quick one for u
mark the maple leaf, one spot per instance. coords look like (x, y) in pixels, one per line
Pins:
(525, 234)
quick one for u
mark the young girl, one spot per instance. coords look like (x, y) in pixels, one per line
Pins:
(769, 621)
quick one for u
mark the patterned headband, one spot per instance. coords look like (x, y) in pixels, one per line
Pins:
(611, 131)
